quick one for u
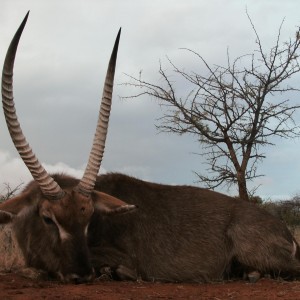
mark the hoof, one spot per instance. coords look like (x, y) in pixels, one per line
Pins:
(253, 276)
(105, 274)
(124, 273)
(33, 273)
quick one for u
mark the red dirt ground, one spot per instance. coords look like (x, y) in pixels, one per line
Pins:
(13, 286)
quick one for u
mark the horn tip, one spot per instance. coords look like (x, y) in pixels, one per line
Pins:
(118, 35)
(26, 16)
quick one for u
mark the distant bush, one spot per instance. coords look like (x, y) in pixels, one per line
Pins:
(287, 210)
(9, 192)
(11, 257)
(256, 199)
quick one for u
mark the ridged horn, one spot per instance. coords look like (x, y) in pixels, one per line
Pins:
(88, 180)
(49, 187)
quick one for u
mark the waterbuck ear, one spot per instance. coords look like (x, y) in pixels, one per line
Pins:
(110, 205)
(12, 207)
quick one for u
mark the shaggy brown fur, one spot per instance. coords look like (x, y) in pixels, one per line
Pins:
(176, 234)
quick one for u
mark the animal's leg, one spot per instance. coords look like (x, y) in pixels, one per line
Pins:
(104, 273)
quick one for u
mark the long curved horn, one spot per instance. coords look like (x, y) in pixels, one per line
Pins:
(88, 180)
(49, 187)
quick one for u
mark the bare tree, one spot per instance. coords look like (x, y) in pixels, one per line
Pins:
(234, 110)
(9, 192)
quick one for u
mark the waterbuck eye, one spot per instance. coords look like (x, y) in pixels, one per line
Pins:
(48, 220)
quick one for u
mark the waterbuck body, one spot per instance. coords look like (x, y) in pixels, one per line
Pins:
(129, 229)
(175, 233)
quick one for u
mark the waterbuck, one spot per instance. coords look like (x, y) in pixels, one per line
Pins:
(130, 229)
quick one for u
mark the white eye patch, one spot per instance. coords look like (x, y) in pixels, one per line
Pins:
(64, 235)
(86, 230)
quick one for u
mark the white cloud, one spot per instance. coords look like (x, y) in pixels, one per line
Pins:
(63, 168)
(13, 172)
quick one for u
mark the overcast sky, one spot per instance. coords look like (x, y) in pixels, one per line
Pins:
(61, 64)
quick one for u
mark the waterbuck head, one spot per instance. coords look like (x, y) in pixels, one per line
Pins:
(51, 218)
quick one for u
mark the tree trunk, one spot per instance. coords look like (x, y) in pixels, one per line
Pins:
(243, 193)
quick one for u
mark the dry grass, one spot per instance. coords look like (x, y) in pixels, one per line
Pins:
(11, 257)
(296, 234)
